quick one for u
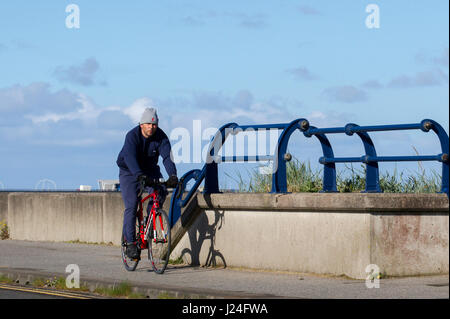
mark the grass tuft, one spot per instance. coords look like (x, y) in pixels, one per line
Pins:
(302, 178)
(124, 289)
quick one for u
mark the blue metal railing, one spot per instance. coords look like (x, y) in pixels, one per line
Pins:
(209, 173)
(370, 158)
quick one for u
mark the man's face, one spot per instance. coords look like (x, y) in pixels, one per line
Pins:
(148, 129)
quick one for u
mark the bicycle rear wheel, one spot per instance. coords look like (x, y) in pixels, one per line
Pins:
(159, 242)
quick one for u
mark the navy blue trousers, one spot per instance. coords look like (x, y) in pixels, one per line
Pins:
(129, 187)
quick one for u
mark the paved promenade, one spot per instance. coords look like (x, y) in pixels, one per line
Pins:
(101, 265)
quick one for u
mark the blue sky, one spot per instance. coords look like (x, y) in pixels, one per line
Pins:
(68, 96)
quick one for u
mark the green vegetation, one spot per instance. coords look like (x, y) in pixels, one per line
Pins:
(302, 178)
(165, 295)
(4, 230)
(178, 261)
(58, 283)
(5, 280)
(124, 289)
(88, 243)
(38, 282)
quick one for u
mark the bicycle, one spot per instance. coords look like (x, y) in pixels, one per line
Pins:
(153, 232)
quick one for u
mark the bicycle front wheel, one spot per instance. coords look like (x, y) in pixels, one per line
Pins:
(159, 241)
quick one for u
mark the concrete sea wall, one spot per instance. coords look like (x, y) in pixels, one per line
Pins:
(338, 234)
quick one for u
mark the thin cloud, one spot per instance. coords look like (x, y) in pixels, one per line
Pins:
(329, 118)
(302, 73)
(192, 21)
(134, 111)
(420, 79)
(83, 74)
(22, 45)
(307, 10)
(372, 84)
(198, 18)
(35, 98)
(114, 120)
(17, 45)
(442, 60)
(216, 108)
(38, 115)
(244, 20)
(243, 99)
(345, 94)
(86, 112)
(253, 22)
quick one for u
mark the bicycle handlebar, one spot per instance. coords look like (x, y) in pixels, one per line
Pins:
(152, 183)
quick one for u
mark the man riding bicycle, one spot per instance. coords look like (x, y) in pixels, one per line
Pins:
(138, 163)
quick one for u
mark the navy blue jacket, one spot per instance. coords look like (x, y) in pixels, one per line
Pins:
(139, 155)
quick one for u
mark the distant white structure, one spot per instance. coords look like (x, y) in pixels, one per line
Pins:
(109, 184)
(86, 188)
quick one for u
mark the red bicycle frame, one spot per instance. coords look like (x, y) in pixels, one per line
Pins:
(144, 229)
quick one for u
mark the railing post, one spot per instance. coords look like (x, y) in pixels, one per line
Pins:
(329, 171)
(426, 125)
(279, 179)
(211, 179)
(177, 195)
(211, 171)
(372, 173)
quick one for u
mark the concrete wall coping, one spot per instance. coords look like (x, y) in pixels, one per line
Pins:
(362, 202)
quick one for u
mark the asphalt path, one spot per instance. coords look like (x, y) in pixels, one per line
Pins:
(99, 263)
(20, 292)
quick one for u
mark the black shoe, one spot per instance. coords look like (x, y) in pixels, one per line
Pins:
(132, 251)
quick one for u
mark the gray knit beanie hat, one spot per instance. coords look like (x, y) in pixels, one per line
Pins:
(149, 116)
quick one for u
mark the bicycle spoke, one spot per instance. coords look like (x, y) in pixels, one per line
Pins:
(159, 246)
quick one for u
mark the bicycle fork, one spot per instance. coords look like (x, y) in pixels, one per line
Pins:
(155, 232)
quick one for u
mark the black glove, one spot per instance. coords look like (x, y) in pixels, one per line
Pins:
(147, 181)
(172, 181)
